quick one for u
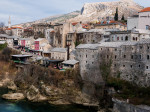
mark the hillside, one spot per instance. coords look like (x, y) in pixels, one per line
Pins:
(54, 19)
(98, 11)
(92, 12)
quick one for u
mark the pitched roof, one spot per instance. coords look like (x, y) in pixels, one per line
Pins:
(71, 62)
(146, 9)
(59, 50)
(87, 46)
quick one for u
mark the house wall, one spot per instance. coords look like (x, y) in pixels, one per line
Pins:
(144, 19)
(89, 65)
(59, 55)
(36, 44)
(132, 23)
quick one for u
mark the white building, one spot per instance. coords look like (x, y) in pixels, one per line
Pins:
(141, 21)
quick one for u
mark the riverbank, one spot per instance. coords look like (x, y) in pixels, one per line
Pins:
(27, 106)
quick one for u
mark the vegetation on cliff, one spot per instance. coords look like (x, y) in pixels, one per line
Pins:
(124, 89)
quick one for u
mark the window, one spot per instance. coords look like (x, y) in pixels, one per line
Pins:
(117, 38)
(140, 56)
(107, 56)
(86, 55)
(126, 38)
(141, 47)
(131, 66)
(86, 61)
(131, 56)
(115, 65)
(147, 47)
(139, 66)
(115, 56)
(124, 66)
(124, 56)
(147, 67)
(147, 27)
(148, 57)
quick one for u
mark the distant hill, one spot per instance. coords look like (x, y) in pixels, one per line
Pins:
(54, 19)
(94, 12)
(98, 11)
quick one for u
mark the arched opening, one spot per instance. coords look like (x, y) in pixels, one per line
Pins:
(126, 38)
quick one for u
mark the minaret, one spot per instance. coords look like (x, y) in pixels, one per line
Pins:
(9, 23)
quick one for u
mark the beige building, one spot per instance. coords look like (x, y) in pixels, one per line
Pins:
(59, 54)
(105, 25)
(92, 36)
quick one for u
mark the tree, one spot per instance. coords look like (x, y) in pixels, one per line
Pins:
(2, 24)
(116, 15)
(1, 28)
(123, 17)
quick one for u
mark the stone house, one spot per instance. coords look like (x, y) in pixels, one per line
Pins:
(38, 43)
(25, 42)
(61, 31)
(10, 40)
(130, 60)
(104, 25)
(70, 64)
(84, 37)
(40, 28)
(130, 35)
(17, 31)
(58, 54)
(87, 55)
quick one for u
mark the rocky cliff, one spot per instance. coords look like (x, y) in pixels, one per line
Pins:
(94, 12)
(100, 10)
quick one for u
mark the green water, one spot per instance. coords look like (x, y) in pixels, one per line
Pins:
(25, 106)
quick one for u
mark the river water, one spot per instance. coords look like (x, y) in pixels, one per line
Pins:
(25, 106)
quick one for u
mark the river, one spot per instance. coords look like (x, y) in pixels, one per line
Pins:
(25, 106)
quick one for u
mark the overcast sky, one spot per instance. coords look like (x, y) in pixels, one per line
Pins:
(30, 10)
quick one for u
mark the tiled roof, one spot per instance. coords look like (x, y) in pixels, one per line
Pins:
(110, 23)
(71, 62)
(146, 10)
(59, 50)
(74, 23)
(87, 46)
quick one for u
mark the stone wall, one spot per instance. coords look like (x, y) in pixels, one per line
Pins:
(122, 106)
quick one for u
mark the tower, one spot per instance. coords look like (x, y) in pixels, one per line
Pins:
(9, 23)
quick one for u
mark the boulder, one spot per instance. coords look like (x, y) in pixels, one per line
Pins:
(13, 96)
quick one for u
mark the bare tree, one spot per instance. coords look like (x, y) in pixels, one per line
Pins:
(1, 27)
(2, 24)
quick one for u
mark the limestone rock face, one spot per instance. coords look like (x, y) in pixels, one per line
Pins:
(34, 95)
(13, 96)
(100, 10)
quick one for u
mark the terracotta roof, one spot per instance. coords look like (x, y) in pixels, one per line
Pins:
(111, 22)
(74, 24)
(16, 28)
(53, 31)
(8, 28)
(146, 10)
